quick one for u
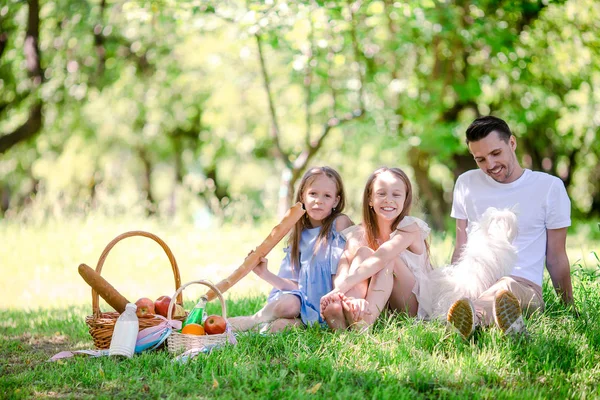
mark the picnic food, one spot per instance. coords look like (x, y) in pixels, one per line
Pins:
(214, 325)
(278, 233)
(145, 307)
(103, 288)
(101, 324)
(179, 311)
(197, 315)
(161, 305)
(193, 329)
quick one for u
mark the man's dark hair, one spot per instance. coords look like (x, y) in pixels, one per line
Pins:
(482, 127)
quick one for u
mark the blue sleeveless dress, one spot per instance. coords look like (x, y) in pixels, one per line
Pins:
(314, 276)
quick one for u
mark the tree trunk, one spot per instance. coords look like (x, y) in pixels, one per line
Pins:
(595, 177)
(178, 178)
(431, 194)
(286, 192)
(147, 182)
(462, 164)
(32, 62)
(4, 198)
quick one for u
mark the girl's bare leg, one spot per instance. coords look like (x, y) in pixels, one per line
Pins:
(375, 291)
(402, 298)
(285, 306)
(378, 294)
(394, 284)
(359, 291)
(334, 313)
(283, 323)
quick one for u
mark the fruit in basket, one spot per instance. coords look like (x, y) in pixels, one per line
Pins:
(161, 305)
(145, 307)
(215, 324)
(178, 312)
(193, 329)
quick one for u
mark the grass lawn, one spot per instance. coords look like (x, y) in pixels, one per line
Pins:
(45, 303)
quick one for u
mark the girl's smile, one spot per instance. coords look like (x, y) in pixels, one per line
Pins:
(388, 196)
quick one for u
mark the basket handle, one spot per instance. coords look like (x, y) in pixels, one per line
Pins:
(176, 275)
(201, 282)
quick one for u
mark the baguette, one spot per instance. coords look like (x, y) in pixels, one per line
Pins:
(278, 233)
(104, 289)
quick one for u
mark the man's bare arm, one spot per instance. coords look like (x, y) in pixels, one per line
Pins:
(461, 239)
(558, 265)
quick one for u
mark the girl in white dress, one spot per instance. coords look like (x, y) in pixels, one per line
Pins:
(385, 257)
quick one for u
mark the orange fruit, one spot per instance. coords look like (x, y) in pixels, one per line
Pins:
(193, 329)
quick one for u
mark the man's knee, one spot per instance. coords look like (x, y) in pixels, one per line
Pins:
(505, 283)
(287, 306)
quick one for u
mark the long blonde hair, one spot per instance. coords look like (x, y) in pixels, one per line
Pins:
(304, 222)
(369, 218)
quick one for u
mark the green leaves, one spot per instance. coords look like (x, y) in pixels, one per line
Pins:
(134, 76)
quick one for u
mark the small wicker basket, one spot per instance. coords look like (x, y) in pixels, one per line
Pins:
(101, 325)
(179, 342)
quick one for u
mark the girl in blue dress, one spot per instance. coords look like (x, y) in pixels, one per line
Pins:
(312, 256)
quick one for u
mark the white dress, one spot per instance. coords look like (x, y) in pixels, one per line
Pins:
(418, 264)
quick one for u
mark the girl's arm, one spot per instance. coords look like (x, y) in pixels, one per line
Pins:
(343, 267)
(342, 222)
(353, 243)
(385, 254)
(275, 280)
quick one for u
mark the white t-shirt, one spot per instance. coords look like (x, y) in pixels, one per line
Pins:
(539, 200)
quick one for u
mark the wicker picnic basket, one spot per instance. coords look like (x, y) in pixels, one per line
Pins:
(102, 324)
(178, 342)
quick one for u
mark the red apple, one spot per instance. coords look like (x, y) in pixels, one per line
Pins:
(161, 305)
(214, 324)
(145, 307)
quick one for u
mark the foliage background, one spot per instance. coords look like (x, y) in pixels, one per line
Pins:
(194, 119)
(211, 111)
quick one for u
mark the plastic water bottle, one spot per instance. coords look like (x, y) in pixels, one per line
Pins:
(197, 315)
(125, 333)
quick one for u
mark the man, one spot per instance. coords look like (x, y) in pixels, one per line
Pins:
(543, 209)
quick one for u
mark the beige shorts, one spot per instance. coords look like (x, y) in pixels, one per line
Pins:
(528, 293)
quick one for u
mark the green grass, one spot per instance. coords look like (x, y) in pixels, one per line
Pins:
(401, 358)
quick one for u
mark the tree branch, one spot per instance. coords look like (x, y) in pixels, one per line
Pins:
(313, 146)
(308, 80)
(3, 42)
(99, 41)
(353, 8)
(31, 46)
(141, 61)
(275, 131)
(29, 129)
(307, 154)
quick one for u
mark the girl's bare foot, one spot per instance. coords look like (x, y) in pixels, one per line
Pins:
(333, 313)
(357, 314)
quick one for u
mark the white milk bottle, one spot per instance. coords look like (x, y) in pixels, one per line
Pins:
(125, 333)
